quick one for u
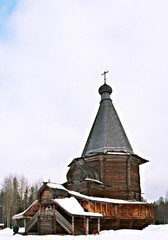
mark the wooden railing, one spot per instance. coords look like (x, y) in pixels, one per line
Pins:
(120, 210)
(32, 222)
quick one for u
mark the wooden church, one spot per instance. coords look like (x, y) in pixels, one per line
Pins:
(102, 190)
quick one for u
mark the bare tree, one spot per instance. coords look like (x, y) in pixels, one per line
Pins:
(8, 192)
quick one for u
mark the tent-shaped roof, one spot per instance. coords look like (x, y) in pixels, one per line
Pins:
(107, 133)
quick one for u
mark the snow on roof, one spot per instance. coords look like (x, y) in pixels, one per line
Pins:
(21, 215)
(99, 199)
(72, 206)
(93, 180)
(56, 186)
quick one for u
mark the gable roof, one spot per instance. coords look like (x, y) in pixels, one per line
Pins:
(107, 133)
(55, 188)
(30, 211)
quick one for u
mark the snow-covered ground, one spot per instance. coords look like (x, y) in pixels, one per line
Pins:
(154, 232)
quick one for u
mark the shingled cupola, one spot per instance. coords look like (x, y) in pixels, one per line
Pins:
(107, 134)
(108, 166)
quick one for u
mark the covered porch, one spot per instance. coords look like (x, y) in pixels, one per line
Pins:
(60, 216)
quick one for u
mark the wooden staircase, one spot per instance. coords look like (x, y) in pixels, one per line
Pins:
(46, 223)
(32, 222)
(63, 222)
(66, 225)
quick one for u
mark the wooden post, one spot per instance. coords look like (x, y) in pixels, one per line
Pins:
(54, 221)
(98, 225)
(86, 226)
(145, 211)
(101, 209)
(138, 210)
(38, 226)
(24, 223)
(73, 226)
(106, 210)
(116, 210)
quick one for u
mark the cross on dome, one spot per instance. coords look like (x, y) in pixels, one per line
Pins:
(105, 72)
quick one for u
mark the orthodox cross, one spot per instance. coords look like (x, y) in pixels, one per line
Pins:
(105, 72)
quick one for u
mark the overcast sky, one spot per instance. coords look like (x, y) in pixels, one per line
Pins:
(52, 54)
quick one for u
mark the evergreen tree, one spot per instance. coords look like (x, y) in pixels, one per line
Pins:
(15, 196)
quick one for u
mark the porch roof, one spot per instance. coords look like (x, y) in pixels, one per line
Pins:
(72, 206)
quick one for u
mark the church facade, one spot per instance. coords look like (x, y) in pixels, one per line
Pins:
(102, 190)
(108, 166)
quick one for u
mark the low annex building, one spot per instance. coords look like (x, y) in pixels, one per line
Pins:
(60, 211)
(102, 190)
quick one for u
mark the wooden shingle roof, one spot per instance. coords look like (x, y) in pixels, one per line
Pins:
(107, 133)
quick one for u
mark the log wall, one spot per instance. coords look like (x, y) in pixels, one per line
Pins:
(120, 173)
